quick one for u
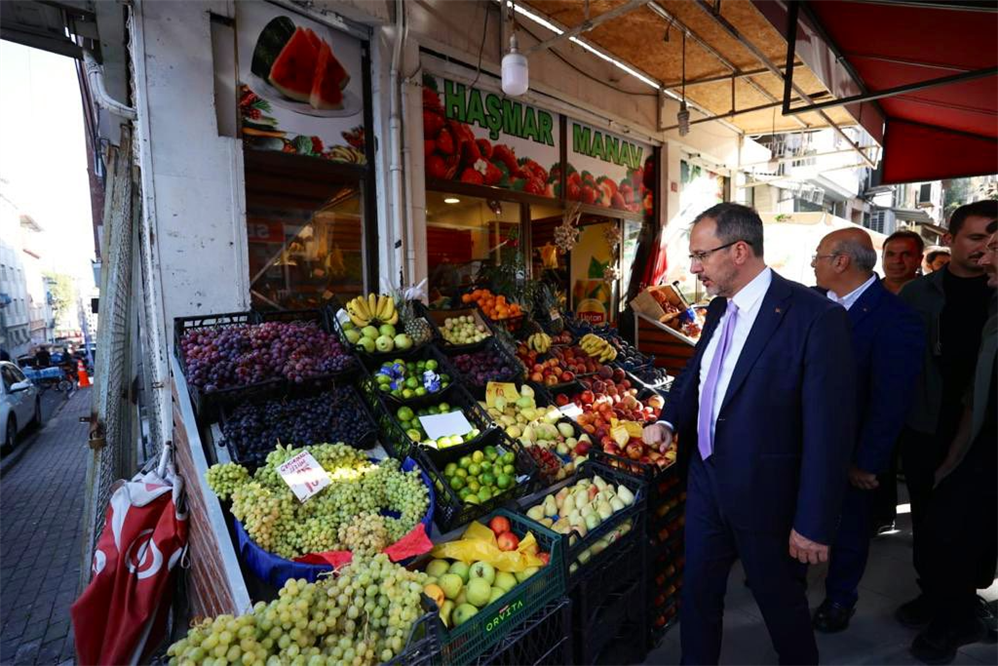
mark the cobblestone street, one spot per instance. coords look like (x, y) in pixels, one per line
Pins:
(41, 501)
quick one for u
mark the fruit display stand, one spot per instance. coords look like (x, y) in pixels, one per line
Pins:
(438, 321)
(426, 358)
(489, 363)
(510, 619)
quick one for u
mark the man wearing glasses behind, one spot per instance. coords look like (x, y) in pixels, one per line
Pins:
(766, 414)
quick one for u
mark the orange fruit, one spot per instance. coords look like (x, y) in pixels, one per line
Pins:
(466, 298)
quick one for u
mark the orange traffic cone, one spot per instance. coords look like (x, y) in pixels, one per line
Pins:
(81, 373)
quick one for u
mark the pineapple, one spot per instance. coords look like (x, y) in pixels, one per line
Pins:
(415, 327)
(548, 301)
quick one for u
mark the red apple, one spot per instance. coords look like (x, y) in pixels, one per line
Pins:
(508, 541)
(561, 400)
(499, 525)
(582, 448)
(544, 557)
(635, 450)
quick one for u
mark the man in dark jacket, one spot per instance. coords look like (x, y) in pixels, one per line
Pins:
(962, 517)
(767, 424)
(953, 304)
(888, 340)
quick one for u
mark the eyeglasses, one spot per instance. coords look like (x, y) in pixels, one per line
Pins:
(703, 254)
(815, 257)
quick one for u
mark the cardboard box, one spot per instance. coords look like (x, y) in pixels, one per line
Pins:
(647, 304)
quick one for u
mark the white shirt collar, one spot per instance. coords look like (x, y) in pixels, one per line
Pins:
(752, 293)
(850, 299)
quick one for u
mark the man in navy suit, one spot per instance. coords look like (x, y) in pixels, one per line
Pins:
(888, 342)
(766, 415)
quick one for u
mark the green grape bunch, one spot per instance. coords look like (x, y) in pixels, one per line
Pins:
(361, 616)
(346, 515)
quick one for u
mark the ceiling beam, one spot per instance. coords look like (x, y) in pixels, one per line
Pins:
(587, 25)
(702, 43)
(739, 112)
(771, 66)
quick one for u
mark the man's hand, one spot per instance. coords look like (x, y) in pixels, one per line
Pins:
(862, 479)
(805, 550)
(656, 434)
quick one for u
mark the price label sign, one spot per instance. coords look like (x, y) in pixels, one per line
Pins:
(554, 314)
(445, 425)
(304, 475)
(571, 410)
(503, 390)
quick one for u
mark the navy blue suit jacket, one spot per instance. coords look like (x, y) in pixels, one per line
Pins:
(888, 341)
(784, 435)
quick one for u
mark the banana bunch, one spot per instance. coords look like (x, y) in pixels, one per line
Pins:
(598, 348)
(539, 342)
(373, 308)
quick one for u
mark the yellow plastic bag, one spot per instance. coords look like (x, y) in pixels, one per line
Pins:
(478, 544)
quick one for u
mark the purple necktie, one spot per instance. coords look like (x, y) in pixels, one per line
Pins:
(705, 438)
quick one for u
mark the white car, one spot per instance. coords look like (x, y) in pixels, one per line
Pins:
(20, 404)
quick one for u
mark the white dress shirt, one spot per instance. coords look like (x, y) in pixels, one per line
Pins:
(850, 299)
(749, 301)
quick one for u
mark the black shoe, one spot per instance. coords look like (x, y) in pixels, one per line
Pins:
(916, 613)
(831, 618)
(937, 643)
(987, 613)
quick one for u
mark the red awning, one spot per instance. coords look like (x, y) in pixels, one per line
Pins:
(948, 131)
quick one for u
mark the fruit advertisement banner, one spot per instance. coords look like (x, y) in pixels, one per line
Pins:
(301, 85)
(592, 296)
(483, 138)
(608, 170)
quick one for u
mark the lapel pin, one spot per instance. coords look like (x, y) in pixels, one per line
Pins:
(777, 310)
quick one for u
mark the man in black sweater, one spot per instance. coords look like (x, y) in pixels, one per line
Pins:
(953, 303)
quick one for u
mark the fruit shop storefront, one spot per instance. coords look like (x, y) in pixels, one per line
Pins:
(471, 433)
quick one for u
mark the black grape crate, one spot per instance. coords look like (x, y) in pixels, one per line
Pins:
(494, 348)
(451, 510)
(206, 402)
(252, 459)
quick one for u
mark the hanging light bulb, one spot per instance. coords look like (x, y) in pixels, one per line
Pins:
(683, 117)
(515, 75)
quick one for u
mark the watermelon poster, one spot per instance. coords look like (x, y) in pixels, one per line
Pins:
(481, 137)
(301, 85)
(608, 170)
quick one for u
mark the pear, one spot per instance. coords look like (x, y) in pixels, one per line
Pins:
(604, 509)
(535, 512)
(616, 504)
(550, 508)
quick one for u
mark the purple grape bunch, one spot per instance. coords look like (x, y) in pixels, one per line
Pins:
(232, 356)
(254, 429)
(484, 366)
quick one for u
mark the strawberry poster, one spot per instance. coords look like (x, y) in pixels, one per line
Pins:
(484, 138)
(608, 170)
(301, 85)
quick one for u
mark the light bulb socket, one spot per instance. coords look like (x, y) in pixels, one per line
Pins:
(683, 119)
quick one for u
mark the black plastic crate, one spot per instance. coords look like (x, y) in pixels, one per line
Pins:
(394, 437)
(451, 510)
(545, 640)
(437, 318)
(662, 482)
(502, 624)
(633, 515)
(606, 634)
(251, 461)
(367, 358)
(427, 352)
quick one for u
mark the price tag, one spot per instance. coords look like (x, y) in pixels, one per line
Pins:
(571, 410)
(304, 475)
(445, 425)
(504, 390)
(554, 314)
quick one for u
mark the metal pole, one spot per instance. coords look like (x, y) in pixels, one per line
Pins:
(788, 82)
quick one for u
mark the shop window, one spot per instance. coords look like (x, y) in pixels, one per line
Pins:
(465, 235)
(549, 264)
(305, 231)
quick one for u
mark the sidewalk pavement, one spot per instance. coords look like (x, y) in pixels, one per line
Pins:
(41, 502)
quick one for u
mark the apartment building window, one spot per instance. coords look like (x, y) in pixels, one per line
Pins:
(925, 193)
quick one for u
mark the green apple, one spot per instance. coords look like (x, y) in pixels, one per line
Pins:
(384, 344)
(347, 325)
(387, 329)
(451, 584)
(463, 613)
(496, 594)
(402, 341)
(461, 569)
(437, 568)
(484, 571)
(462, 598)
(353, 336)
(478, 592)
(369, 332)
(505, 581)
(368, 345)
(526, 573)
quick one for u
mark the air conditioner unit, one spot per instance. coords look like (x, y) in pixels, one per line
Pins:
(877, 221)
